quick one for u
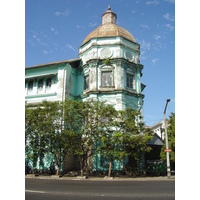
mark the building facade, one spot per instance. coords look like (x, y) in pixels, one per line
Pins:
(159, 129)
(108, 69)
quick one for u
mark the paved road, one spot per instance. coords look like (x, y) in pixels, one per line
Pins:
(48, 189)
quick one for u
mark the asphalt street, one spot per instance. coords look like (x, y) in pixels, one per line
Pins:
(43, 189)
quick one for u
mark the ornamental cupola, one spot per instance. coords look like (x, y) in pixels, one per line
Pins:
(108, 28)
(109, 17)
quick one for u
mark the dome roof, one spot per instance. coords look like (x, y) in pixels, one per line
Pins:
(109, 28)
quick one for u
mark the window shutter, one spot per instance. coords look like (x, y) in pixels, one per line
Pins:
(103, 79)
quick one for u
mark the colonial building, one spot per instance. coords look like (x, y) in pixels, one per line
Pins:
(108, 69)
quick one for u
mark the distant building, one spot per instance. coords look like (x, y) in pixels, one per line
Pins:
(157, 142)
(159, 129)
(108, 69)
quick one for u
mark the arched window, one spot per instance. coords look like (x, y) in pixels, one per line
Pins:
(30, 85)
(48, 82)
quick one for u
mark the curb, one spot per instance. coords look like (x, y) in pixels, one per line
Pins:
(85, 178)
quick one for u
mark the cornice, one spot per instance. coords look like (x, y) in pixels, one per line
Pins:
(40, 95)
(112, 91)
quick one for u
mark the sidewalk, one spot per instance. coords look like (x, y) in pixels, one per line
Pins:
(93, 178)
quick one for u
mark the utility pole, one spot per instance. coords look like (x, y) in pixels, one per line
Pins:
(166, 138)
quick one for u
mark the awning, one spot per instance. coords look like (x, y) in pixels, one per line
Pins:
(40, 75)
(156, 140)
(142, 87)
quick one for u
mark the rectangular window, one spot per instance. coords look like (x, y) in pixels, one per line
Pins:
(130, 81)
(86, 82)
(106, 78)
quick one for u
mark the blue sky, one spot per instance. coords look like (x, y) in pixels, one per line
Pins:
(54, 29)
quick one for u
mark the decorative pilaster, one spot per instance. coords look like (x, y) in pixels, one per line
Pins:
(93, 62)
(44, 85)
(93, 73)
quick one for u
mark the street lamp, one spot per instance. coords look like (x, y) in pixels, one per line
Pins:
(166, 137)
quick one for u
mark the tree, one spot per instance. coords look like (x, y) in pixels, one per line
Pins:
(58, 139)
(86, 121)
(136, 135)
(112, 148)
(171, 139)
(85, 129)
(127, 137)
(34, 141)
(111, 139)
(74, 114)
(45, 132)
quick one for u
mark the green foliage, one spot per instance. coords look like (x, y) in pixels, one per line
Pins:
(171, 139)
(45, 133)
(85, 129)
(89, 120)
(34, 140)
(124, 137)
(107, 61)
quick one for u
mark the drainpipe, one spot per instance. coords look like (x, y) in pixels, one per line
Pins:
(63, 94)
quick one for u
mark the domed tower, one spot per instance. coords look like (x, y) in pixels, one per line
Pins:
(111, 66)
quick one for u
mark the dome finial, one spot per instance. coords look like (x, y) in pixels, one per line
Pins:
(109, 17)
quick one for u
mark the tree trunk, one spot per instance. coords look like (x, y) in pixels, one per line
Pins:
(81, 165)
(58, 170)
(110, 165)
(33, 170)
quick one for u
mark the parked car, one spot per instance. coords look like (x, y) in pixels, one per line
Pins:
(156, 168)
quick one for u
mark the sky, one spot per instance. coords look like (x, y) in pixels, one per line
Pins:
(55, 29)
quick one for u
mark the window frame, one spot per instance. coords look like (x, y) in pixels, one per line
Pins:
(86, 85)
(30, 88)
(40, 87)
(130, 74)
(47, 81)
(129, 80)
(107, 69)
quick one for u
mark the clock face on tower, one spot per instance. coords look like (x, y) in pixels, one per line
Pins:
(106, 53)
